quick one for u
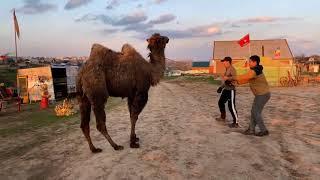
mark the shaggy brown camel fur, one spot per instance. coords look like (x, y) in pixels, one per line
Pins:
(118, 74)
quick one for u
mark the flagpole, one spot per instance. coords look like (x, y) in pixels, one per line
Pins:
(249, 49)
(15, 42)
(15, 36)
(249, 46)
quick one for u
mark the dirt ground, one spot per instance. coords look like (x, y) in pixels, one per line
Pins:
(179, 139)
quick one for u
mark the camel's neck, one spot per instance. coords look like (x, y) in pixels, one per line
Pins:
(157, 60)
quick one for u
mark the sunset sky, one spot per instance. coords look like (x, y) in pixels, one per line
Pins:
(70, 27)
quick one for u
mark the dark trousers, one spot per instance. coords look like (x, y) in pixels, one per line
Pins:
(256, 118)
(230, 96)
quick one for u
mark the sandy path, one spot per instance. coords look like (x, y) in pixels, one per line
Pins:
(180, 140)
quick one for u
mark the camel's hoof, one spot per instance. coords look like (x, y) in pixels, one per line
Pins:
(118, 148)
(96, 150)
(134, 139)
(134, 145)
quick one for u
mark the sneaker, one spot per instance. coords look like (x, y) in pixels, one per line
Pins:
(248, 132)
(220, 119)
(262, 133)
(234, 125)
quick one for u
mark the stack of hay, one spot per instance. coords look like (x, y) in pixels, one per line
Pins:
(65, 109)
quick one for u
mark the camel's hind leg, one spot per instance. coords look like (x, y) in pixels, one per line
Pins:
(136, 105)
(85, 110)
(94, 85)
(99, 112)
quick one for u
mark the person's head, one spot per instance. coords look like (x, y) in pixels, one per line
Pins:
(254, 61)
(227, 61)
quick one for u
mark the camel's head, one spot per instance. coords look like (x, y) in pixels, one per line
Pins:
(157, 42)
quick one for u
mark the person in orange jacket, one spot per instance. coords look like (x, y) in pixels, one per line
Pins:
(260, 88)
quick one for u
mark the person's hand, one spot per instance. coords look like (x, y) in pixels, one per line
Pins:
(228, 82)
(219, 90)
(225, 78)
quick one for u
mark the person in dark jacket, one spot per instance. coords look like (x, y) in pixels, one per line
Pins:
(260, 88)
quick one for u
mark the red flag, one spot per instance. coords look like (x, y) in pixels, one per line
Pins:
(244, 41)
(16, 25)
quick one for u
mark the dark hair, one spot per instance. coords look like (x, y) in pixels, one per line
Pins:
(227, 59)
(255, 58)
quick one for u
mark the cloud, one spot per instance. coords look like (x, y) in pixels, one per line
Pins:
(233, 25)
(266, 19)
(205, 31)
(36, 7)
(139, 27)
(254, 20)
(112, 4)
(134, 18)
(302, 41)
(148, 28)
(299, 45)
(294, 39)
(302, 46)
(72, 4)
(159, 1)
(91, 17)
(136, 22)
(109, 31)
(195, 32)
(163, 19)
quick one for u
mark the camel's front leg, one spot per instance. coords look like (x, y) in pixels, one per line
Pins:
(136, 105)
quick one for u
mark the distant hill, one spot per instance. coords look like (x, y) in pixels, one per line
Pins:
(183, 65)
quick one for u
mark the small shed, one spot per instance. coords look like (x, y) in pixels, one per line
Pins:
(61, 81)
